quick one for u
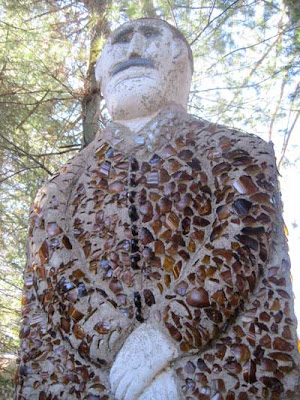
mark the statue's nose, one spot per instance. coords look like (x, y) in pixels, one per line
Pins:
(136, 46)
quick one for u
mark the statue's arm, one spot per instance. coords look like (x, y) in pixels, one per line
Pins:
(46, 249)
(222, 274)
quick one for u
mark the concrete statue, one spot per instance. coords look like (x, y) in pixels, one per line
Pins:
(157, 263)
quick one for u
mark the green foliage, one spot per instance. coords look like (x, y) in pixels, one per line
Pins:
(246, 66)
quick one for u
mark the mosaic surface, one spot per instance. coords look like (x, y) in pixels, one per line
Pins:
(180, 225)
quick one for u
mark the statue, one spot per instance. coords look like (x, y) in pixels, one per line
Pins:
(157, 264)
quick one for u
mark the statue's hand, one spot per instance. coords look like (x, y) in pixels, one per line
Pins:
(146, 352)
(162, 388)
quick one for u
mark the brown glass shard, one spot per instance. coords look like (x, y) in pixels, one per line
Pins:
(168, 263)
(44, 252)
(146, 236)
(198, 298)
(176, 335)
(115, 286)
(75, 314)
(172, 221)
(245, 185)
(283, 345)
(103, 328)
(67, 243)
(223, 212)
(149, 297)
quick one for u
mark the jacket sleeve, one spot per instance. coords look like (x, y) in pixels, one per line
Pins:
(223, 272)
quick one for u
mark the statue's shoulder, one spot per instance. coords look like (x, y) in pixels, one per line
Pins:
(62, 181)
(224, 138)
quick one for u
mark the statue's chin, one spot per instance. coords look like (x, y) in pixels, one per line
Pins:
(136, 98)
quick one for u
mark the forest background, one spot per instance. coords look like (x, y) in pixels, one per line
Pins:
(247, 62)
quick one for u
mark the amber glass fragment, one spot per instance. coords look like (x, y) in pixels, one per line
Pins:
(168, 263)
(233, 367)
(167, 280)
(75, 314)
(103, 328)
(165, 205)
(172, 221)
(241, 352)
(283, 345)
(101, 150)
(115, 286)
(261, 198)
(245, 185)
(221, 168)
(198, 235)
(223, 212)
(177, 269)
(176, 335)
(67, 243)
(218, 231)
(225, 144)
(145, 236)
(191, 246)
(149, 297)
(164, 176)
(147, 210)
(78, 332)
(198, 298)
(44, 252)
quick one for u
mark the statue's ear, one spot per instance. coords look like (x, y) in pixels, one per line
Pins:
(179, 49)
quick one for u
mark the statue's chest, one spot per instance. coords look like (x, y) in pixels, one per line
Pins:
(141, 217)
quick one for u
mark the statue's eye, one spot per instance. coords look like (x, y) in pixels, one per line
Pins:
(123, 37)
(150, 33)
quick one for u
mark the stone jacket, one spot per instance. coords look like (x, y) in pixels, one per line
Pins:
(179, 225)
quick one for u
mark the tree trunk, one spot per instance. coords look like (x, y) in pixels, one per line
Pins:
(92, 96)
(148, 8)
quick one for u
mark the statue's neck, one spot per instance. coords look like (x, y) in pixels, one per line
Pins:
(136, 124)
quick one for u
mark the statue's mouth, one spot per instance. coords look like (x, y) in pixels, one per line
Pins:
(134, 62)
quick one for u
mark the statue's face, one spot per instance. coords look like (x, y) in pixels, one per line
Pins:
(142, 68)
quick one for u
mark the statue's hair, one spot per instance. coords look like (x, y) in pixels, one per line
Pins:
(176, 34)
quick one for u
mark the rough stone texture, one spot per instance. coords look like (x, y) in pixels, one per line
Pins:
(182, 234)
(157, 265)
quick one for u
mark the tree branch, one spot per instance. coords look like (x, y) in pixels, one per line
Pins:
(210, 22)
(286, 142)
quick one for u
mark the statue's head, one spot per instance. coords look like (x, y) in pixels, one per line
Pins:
(145, 65)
